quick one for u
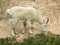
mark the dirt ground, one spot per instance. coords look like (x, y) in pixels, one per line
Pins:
(49, 8)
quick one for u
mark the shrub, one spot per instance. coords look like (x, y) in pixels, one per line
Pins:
(39, 39)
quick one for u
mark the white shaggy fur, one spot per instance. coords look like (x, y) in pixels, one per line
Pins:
(19, 13)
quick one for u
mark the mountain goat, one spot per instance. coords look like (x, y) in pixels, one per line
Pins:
(24, 14)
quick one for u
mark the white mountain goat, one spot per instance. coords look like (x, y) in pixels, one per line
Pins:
(25, 14)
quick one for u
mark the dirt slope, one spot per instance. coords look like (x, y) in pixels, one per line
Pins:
(49, 8)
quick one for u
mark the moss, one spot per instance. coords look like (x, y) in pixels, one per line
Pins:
(39, 39)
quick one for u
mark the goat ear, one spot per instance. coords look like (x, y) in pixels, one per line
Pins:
(47, 20)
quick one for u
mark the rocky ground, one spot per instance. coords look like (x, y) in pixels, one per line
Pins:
(49, 8)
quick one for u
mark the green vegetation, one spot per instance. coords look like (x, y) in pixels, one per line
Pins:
(39, 39)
